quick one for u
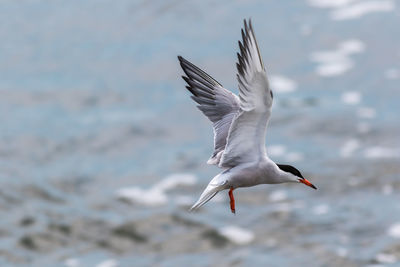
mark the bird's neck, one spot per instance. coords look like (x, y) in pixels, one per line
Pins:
(285, 177)
(272, 174)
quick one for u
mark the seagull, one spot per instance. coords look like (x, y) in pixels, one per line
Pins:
(239, 124)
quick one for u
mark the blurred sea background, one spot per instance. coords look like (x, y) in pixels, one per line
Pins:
(102, 151)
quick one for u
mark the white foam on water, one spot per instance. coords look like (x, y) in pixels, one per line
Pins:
(282, 84)
(353, 181)
(387, 189)
(271, 242)
(342, 252)
(294, 156)
(381, 152)
(150, 197)
(174, 180)
(351, 46)
(363, 127)
(278, 195)
(329, 3)
(305, 29)
(394, 230)
(351, 97)
(386, 258)
(331, 56)
(108, 263)
(337, 62)
(359, 9)
(392, 74)
(321, 209)
(349, 147)
(344, 239)
(283, 207)
(72, 262)
(184, 200)
(276, 150)
(366, 112)
(156, 195)
(353, 9)
(334, 68)
(237, 235)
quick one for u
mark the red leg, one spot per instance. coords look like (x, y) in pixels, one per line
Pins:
(232, 202)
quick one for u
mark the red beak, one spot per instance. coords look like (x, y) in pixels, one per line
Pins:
(306, 182)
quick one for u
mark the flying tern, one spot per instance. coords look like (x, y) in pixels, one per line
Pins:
(239, 123)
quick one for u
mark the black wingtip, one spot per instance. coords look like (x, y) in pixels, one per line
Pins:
(190, 89)
(246, 28)
(186, 79)
(181, 62)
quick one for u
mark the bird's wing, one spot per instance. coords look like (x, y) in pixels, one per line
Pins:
(246, 138)
(217, 103)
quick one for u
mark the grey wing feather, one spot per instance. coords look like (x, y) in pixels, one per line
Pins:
(217, 103)
(246, 138)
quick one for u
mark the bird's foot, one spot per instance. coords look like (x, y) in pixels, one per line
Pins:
(232, 201)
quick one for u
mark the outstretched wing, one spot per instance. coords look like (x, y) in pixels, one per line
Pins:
(217, 103)
(246, 138)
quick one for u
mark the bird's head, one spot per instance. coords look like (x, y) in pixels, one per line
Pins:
(295, 175)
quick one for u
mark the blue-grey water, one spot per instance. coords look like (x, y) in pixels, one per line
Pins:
(102, 151)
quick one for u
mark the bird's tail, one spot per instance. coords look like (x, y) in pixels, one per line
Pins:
(211, 190)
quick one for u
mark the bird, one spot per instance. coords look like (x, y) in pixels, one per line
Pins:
(239, 124)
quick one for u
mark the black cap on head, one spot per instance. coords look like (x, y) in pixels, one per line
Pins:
(291, 169)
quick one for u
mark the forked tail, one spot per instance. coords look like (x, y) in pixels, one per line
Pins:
(211, 190)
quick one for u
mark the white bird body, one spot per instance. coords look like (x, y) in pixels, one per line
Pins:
(240, 124)
(245, 175)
